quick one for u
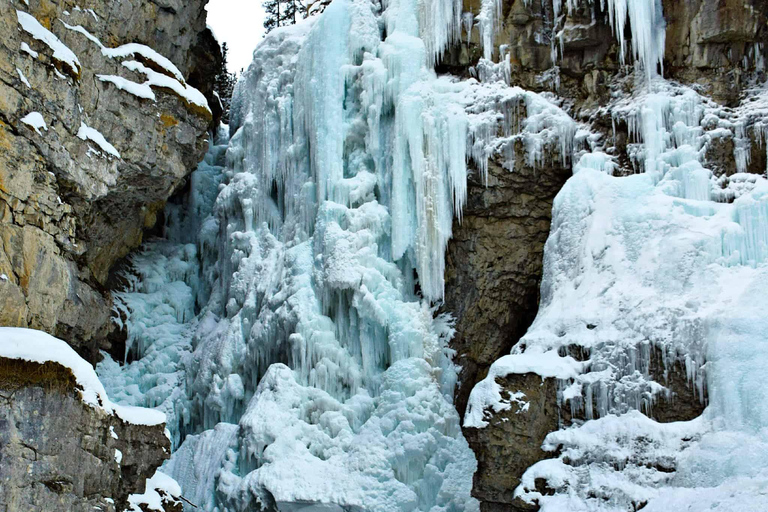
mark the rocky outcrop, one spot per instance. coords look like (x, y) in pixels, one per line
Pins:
(93, 140)
(494, 261)
(511, 442)
(58, 453)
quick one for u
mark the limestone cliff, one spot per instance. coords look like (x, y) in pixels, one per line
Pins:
(102, 116)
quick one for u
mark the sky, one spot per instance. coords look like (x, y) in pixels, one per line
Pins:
(239, 23)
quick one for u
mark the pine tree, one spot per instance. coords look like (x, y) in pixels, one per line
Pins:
(224, 84)
(281, 13)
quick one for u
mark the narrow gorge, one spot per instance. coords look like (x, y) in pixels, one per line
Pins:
(446, 256)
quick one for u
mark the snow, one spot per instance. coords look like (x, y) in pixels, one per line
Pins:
(23, 78)
(36, 121)
(118, 456)
(488, 394)
(131, 49)
(26, 49)
(39, 347)
(158, 487)
(174, 82)
(85, 132)
(82, 30)
(155, 79)
(143, 91)
(60, 51)
(665, 260)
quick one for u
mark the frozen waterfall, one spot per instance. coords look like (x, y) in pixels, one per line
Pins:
(286, 323)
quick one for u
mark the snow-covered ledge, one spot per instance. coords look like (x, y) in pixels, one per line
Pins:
(40, 347)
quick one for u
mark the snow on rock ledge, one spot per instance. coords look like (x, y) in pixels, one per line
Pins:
(39, 347)
(488, 393)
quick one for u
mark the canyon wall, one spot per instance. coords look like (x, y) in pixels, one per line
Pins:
(103, 114)
(494, 262)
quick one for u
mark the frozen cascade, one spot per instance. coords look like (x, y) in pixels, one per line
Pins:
(281, 323)
(286, 325)
(671, 258)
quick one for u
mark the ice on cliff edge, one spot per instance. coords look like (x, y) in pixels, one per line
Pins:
(671, 258)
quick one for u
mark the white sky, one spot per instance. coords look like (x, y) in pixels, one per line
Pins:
(239, 23)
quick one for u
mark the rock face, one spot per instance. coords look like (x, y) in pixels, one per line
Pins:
(494, 261)
(57, 453)
(494, 264)
(88, 152)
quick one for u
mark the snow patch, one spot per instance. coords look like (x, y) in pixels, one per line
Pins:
(85, 132)
(143, 91)
(60, 51)
(26, 49)
(23, 78)
(36, 121)
(40, 347)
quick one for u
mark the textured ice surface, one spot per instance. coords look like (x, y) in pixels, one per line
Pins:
(663, 259)
(286, 324)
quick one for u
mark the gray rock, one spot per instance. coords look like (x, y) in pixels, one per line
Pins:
(69, 210)
(57, 453)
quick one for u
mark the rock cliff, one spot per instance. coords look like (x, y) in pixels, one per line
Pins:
(63, 444)
(103, 114)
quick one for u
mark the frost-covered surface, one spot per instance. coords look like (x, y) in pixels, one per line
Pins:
(318, 374)
(39, 347)
(160, 304)
(672, 258)
(281, 328)
(85, 132)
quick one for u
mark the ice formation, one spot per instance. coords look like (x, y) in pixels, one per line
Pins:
(279, 325)
(286, 327)
(672, 258)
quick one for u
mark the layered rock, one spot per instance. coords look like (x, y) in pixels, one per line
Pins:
(59, 453)
(494, 263)
(94, 140)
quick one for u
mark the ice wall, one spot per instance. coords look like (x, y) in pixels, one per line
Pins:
(286, 324)
(670, 257)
